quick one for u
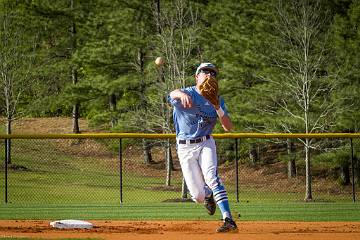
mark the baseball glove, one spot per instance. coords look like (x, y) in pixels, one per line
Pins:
(209, 89)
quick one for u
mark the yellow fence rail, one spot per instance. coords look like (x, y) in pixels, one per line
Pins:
(169, 135)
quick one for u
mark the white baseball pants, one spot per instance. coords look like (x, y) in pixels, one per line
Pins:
(199, 166)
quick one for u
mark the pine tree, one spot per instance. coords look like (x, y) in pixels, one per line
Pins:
(62, 25)
(17, 47)
(232, 39)
(346, 44)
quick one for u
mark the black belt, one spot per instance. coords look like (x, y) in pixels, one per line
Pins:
(197, 140)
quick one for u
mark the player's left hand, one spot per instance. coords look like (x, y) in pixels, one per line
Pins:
(209, 89)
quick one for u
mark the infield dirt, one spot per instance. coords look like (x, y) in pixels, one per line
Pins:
(171, 230)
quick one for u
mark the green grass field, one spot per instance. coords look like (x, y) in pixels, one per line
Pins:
(54, 184)
(186, 211)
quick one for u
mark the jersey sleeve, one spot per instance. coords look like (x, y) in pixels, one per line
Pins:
(223, 106)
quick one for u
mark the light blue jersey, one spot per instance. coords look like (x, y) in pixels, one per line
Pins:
(197, 121)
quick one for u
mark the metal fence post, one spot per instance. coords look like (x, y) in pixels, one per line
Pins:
(6, 173)
(352, 169)
(120, 171)
(237, 170)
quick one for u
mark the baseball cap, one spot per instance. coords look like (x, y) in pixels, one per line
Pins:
(206, 66)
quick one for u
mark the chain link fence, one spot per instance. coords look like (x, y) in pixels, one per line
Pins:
(114, 171)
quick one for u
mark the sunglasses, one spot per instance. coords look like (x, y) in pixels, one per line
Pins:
(207, 71)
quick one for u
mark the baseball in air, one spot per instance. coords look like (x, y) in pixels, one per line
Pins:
(159, 61)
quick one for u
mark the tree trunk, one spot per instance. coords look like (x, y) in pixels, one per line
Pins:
(143, 102)
(147, 152)
(158, 10)
(8, 141)
(292, 159)
(253, 154)
(357, 170)
(112, 106)
(74, 77)
(291, 168)
(75, 116)
(169, 162)
(308, 191)
(345, 173)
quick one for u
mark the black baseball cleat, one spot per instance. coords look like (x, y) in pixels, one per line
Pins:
(210, 204)
(228, 226)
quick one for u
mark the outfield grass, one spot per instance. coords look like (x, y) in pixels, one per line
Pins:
(58, 185)
(186, 211)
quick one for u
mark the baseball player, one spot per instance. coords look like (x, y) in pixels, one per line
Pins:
(195, 116)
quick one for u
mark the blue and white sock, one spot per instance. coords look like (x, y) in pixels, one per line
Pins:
(221, 198)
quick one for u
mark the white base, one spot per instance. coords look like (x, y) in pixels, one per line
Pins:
(66, 224)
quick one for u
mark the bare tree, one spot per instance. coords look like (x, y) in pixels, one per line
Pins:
(304, 87)
(177, 36)
(73, 72)
(16, 61)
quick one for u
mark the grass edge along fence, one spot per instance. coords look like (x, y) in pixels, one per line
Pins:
(120, 136)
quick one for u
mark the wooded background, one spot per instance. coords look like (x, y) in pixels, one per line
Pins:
(285, 65)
